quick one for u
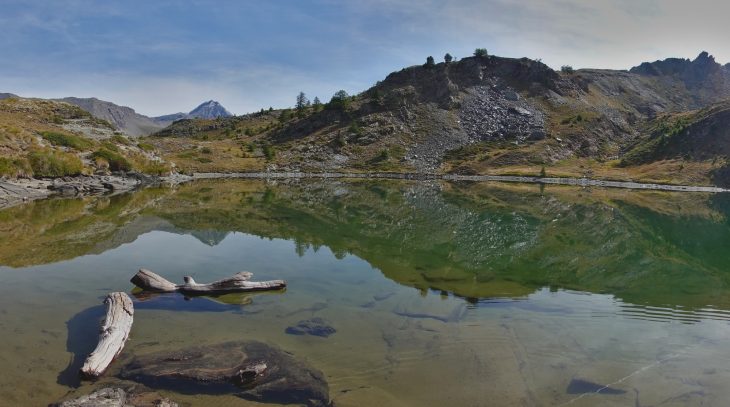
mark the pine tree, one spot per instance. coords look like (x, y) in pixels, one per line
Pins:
(448, 58)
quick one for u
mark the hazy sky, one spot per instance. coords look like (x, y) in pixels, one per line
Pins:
(167, 56)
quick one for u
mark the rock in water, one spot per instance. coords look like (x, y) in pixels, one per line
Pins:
(315, 327)
(580, 386)
(117, 397)
(264, 373)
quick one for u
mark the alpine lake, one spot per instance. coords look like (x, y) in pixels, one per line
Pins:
(430, 293)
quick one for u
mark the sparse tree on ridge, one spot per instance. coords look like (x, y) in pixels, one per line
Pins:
(480, 52)
(448, 58)
(316, 104)
(430, 62)
(302, 103)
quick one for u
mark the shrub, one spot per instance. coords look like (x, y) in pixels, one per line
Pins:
(206, 150)
(384, 155)
(120, 139)
(205, 160)
(269, 152)
(567, 69)
(543, 174)
(284, 116)
(354, 129)
(155, 168)
(50, 163)
(340, 100)
(66, 140)
(448, 58)
(146, 146)
(14, 167)
(429, 62)
(116, 161)
(480, 52)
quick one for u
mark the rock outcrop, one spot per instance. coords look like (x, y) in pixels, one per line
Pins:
(253, 370)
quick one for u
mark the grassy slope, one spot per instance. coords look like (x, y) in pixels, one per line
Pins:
(48, 138)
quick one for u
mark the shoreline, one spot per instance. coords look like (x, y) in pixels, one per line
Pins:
(20, 191)
(584, 182)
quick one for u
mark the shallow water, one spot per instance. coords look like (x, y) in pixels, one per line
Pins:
(440, 293)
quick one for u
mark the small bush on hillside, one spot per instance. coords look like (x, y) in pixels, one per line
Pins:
(14, 167)
(480, 52)
(206, 150)
(146, 147)
(269, 152)
(116, 161)
(339, 101)
(448, 58)
(66, 140)
(567, 69)
(119, 139)
(50, 163)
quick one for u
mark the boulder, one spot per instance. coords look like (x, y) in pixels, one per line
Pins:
(252, 370)
(315, 327)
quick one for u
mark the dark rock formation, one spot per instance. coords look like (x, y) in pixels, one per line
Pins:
(253, 370)
(315, 327)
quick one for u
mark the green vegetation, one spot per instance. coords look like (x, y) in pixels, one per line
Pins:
(146, 146)
(116, 161)
(269, 152)
(53, 164)
(543, 174)
(302, 104)
(206, 150)
(285, 116)
(66, 140)
(119, 139)
(316, 104)
(340, 101)
(567, 69)
(14, 167)
(448, 58)
(480, 52)
(429, 62)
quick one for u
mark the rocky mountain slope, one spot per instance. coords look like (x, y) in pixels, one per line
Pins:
(485, 115)
(209, 110)
(134, 124)
(51, 139)
(124, 118)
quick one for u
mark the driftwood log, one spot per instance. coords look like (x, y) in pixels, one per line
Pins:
(114, 333)
(239, 282)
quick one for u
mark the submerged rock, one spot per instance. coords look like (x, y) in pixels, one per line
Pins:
(580, 386)
(117, 397)
(251, 369)
(315, 327)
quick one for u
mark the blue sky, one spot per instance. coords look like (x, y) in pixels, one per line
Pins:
(166, 56)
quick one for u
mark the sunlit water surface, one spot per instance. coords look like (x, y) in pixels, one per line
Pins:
(440, 294)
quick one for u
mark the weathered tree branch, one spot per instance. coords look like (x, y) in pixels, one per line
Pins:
(114, 333)
(239, 282)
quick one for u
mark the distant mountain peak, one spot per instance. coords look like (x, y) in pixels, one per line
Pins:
(209, 110)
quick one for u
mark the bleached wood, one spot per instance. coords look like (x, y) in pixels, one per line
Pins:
(150, 281)
(114, 333)
(239, 282)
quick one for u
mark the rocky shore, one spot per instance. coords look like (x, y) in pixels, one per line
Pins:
(25, 190)
(14, 192)
(584, 182)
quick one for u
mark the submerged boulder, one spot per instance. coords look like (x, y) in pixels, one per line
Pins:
(314, 326)
(253, 370)
(118, 397)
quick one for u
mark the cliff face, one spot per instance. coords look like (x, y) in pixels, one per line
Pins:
(122, 117)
